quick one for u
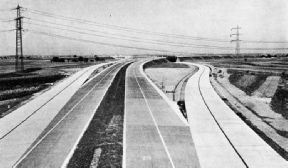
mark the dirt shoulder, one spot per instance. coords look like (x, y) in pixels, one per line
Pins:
(255, 111)
(169, 79)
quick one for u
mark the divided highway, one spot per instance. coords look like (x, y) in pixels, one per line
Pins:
(221, 138)
(155, 135)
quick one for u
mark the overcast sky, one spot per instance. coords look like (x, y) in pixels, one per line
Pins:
(260, 20)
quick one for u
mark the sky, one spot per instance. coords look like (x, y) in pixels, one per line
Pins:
(150, 26)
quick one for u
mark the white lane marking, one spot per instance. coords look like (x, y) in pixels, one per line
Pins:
(174, 106)
(23, 157)
(161, 137)
(66, 162)
(124, 127)
(44, 104)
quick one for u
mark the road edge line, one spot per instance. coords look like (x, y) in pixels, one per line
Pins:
(168, 101)
(159, 132)
(66, 161)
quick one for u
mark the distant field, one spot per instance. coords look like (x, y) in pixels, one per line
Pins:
(18, 87)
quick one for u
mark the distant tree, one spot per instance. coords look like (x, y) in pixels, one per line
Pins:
(96, 58)
(80, 59)
(55, 59)
(61, 60)
(85, 60)
(74, 60)
(75, 56)
(68, 60)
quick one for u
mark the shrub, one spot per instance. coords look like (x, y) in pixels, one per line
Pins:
(85, 60)
(80, 58)
(55, 59)
(171, 58)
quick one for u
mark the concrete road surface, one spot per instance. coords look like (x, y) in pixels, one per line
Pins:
(154, 135)
(221, 138)
(19, 129)
(55, 146)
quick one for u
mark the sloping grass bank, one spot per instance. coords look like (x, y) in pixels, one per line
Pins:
(247, 82)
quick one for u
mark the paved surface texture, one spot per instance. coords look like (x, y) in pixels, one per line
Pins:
(20, 128)
(28, 136)
(154, 135)
(54, 145)
(221, 138)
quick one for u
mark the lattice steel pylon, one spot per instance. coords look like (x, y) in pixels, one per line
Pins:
(237, 40)
(19, 45)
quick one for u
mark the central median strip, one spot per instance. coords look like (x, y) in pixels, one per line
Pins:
(101, 143)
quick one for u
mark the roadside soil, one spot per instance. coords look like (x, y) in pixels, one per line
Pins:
(167, 79)
(255, 111)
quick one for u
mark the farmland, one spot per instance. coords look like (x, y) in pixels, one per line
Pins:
(39, 74)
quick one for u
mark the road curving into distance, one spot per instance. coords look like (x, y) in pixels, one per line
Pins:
(154, 135)
(221, 138)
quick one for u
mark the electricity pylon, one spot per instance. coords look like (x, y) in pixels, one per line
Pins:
(237, 40)
(19, 46)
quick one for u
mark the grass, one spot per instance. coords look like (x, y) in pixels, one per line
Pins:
(279, 102)
(246, 82)
(105, 131)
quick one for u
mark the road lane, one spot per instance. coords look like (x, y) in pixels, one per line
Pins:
(212, 147)
(155, 136)
(55, 143)
(214, 126)
(20, 128)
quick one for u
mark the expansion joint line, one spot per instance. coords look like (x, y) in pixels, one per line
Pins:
(41, 106)
(32, 148)
(218, 122)
(161, 137)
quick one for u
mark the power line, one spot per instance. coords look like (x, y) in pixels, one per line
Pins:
(135, 40)
(250, 41)
(4, 31)
(159, 42)
(101, 43)
(124, 28)
(141, 31)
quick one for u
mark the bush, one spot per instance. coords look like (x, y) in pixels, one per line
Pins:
(85, 60)
(74, 60)
(61, 60)
(80, 59)
(171, 58)
(55, 59)
(279, 102)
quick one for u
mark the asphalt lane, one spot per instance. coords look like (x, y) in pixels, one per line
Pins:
(54, 145)
(154, 134)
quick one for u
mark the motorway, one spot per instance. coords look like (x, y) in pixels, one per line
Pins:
(221, 138)
(57, 143)
(20, 128)
(155, 132)
(154, 135)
